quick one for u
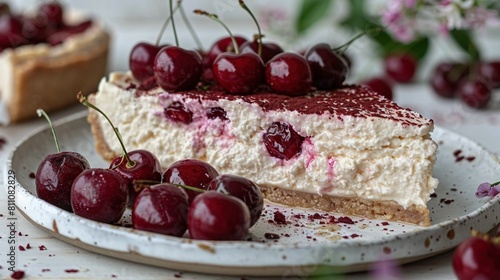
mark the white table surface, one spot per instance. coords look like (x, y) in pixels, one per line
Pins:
(481, 126)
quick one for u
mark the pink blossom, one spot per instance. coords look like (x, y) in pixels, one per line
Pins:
(478, 17)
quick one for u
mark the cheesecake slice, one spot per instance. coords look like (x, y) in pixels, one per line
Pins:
(349, 150)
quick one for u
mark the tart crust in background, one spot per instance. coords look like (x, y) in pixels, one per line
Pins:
(50, 77)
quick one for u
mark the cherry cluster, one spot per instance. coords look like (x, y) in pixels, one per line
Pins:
(472, 83)
(190, 194)
(239, 66)
(46, 25)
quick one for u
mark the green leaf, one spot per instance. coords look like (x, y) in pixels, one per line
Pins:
(464, 40)
(357, 18)
(310, 12)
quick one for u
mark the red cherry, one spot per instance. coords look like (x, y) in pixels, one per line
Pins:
(474, 93)
(190, 172)
(400, 67)
(282, 141)
(328, 68)
(11, 31)
(380, 86)
(216, 216)
(56, 174)
(289, 74)
(446, 76)
(53, 12)
(269, 50)
(477, 258)
(146, 167)
(60, 36)
(99, 194)
(141, 60)
(241, 188)
(238, 73)
(161, 208)
(217, 112)
(490, 72)
(177, 69)
(179, 113)
(222, 45)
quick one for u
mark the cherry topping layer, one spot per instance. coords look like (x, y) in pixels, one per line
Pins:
(269, 50)
(141, 60)
(222, 45)
(238, 73)
(328, 68)
(282, 141)
(177, 69)
(289, 74)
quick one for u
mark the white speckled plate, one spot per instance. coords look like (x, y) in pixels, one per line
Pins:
(305, 245)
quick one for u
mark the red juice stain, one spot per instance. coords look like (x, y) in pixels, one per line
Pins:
(279, 218)
(459, 158)
(471, 158)
(384, 223)
(32, 175)
(42, 248)
(457, 152)
(21, 248)
(71, 270)
(345, 220)
(18, 274)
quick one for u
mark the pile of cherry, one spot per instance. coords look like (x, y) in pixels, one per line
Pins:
(473, 82)
(190, 194)
(45, 25)
(233, 63)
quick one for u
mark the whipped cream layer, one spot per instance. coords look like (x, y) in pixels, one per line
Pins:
(378, 153)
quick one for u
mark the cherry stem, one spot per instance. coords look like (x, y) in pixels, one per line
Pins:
(216, 18)
(82, 99)
(190, 27)
(188, 188)
(342, 48)
(153, 182)
(494, 184)
(40, 113)
(173, 23)
(165, 24)
(245, 7)
(145, 182)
